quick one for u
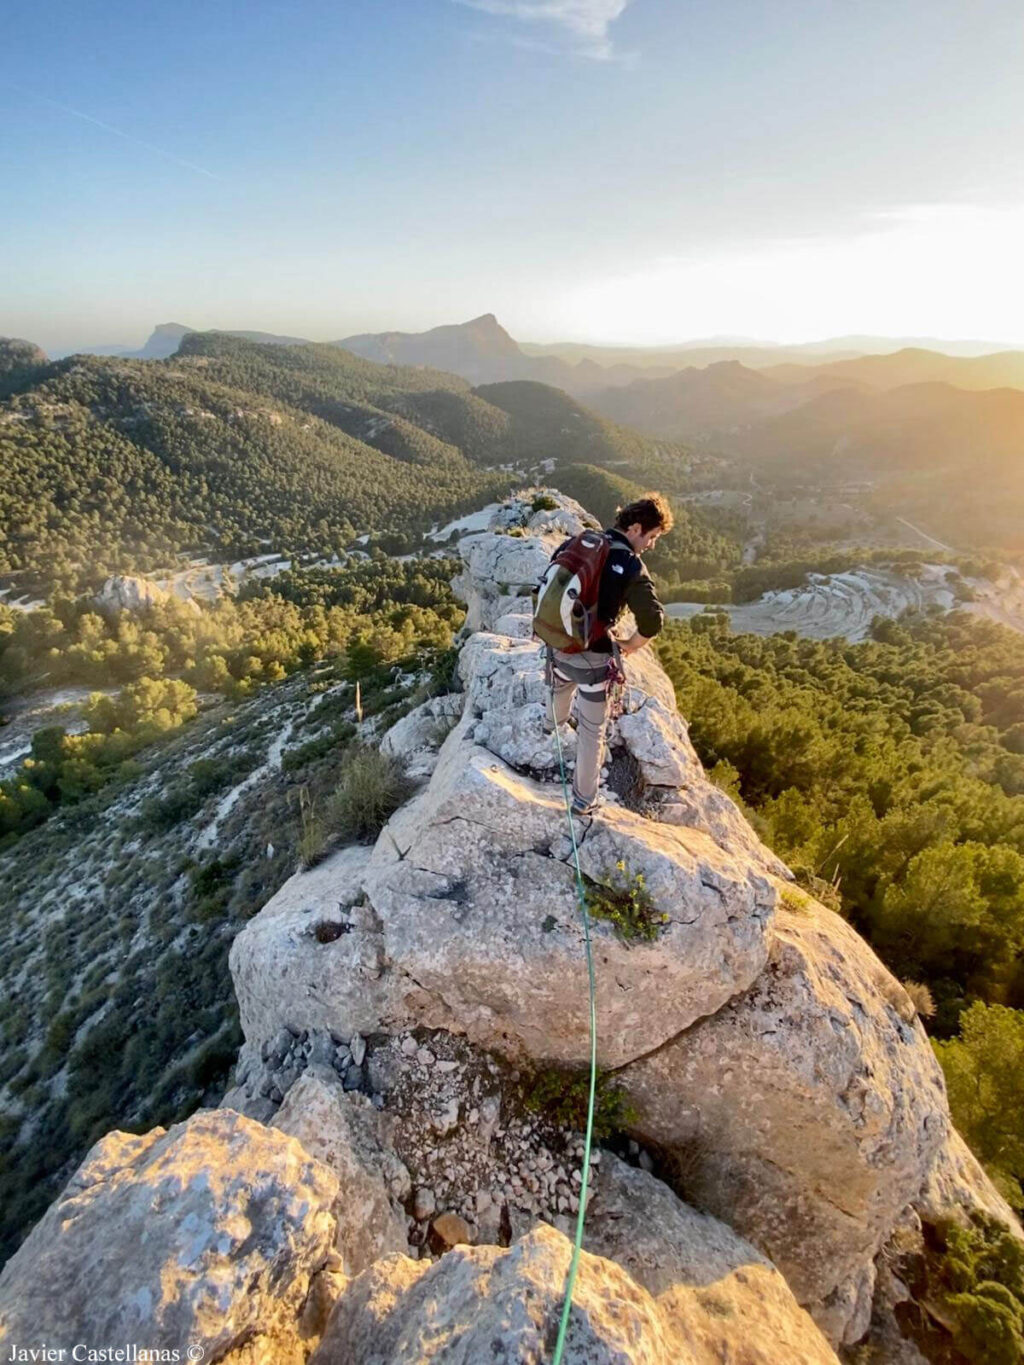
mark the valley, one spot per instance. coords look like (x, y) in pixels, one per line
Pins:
(845, 604)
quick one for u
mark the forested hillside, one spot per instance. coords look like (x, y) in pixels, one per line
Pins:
(693, 550)
(890, 776)
(114, 465)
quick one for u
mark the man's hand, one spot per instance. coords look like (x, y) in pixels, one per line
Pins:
(636, 641)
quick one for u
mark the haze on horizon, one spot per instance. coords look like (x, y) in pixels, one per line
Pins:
(611, 171)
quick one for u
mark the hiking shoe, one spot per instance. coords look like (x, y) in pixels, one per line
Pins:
(580, 807)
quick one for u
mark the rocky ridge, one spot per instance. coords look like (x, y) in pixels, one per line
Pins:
(404, 1007)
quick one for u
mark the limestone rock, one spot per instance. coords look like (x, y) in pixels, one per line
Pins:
(807, 1112)
(122, 592)
(957, 1183)
(569, 518)
(480, 916)
(346, 1134)
(506, 692)
(499, 566)
(208, 1232)
(731, 1301)
(517, 621)
(423, 1203)
(678, 790)
(645, 678)
(656, 736)
(416, 738)
(313, 957)
(501, 674)
(485, 1303)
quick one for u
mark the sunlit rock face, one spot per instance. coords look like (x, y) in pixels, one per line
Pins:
(810, 1108)
(209, 1232)
(489, 1303)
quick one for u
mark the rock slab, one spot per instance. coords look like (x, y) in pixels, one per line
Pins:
(209, 1232)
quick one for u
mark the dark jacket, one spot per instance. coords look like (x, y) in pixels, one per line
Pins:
(625, 583)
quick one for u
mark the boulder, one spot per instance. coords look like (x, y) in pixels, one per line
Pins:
(497, 569)
(125, 593)
(714, 1300)
(450, 1230)
(344, 1132)
(676, 789)
(807, 1112)
(208, 1232)
(488, 1304)
(506, 698)
(313, 956)
(517, 619)
(416, 738)
(477, 905)
(730, 1301)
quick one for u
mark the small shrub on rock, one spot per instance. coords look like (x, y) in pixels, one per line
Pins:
(444, 672)
(314, 841)
(922, 998)
(372, 786)
(563, 1096)
(626, 903)
(795, 901)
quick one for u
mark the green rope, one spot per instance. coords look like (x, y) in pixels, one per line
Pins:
(563, 1325)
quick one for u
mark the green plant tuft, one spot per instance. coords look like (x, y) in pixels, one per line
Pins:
(371, 788)
(626, 903)
(562, 1096)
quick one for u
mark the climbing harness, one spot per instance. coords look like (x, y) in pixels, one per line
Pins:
(570, 1284)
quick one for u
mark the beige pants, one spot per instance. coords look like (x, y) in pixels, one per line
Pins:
(584, 674)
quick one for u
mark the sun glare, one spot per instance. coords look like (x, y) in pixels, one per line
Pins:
(928, 270)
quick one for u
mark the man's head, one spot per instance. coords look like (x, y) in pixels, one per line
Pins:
(643, 521)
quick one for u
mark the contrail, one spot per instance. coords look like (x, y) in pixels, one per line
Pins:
(109, 128)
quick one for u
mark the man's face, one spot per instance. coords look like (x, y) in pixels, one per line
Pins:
(642, 540)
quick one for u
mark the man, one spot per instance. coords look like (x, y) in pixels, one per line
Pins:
(625, 582)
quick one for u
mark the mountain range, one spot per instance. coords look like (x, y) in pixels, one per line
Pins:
(927, 447)
(936, 435)
(482, 351)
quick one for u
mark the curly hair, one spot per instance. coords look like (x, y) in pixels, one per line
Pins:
(650, 511)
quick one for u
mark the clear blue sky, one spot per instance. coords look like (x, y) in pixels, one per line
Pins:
(637, 170)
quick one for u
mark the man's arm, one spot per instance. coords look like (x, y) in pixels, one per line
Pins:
(642, 600)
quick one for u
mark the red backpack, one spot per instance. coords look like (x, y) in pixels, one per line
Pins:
(565, 611)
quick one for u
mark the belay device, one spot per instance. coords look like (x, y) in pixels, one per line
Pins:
(565, 612)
